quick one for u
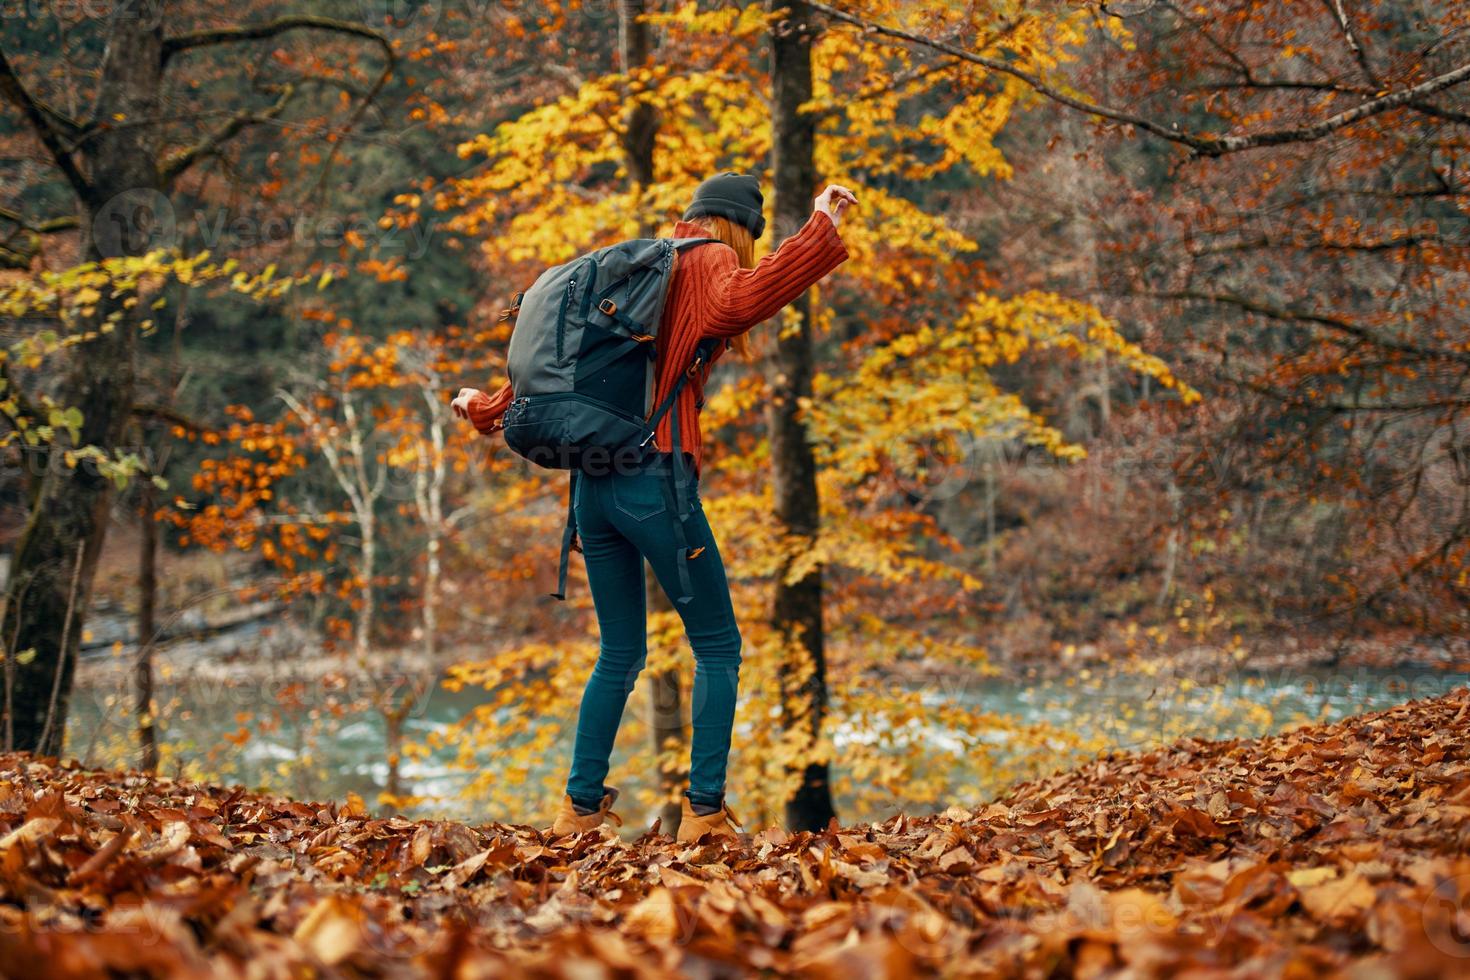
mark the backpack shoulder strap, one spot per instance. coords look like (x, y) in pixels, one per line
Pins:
(683, 243)
(702, 353)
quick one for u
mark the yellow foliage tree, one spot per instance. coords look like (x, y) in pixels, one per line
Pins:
(908, 343)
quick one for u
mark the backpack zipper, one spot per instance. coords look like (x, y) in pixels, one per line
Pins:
(587, 293)
(561, 317)
(611, 409)
(566, 299)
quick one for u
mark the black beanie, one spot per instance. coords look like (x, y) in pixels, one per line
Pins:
(730, 195)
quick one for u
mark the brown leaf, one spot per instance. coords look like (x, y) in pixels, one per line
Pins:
(354, 808)
(29, 832)
(1338, 898)
(172, 840)
(955, 860)
(332, 930)
(94, 864)
(655, 918)
(419, 847)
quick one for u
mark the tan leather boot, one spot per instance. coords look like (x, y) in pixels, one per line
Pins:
(692, 826)
(569, 821)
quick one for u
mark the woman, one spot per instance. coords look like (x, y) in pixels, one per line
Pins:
(718, 292)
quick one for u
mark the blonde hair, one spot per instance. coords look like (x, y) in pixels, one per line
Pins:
(738, 237)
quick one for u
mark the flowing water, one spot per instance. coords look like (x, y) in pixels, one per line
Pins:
(256, 735)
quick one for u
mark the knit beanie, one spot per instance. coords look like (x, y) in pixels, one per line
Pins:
(730, 195)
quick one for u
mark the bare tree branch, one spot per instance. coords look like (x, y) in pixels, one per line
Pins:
(1336, 8)
(1209, 146)
(270, 29)
(24, 407)
(47, 227)
(1448, 115)
(15, 255)
(165, 413)
(273, 28)
(187, 157)
(1333, 323)
(42, 125)
(1322, 244)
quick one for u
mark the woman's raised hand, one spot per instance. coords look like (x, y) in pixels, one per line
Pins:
(461, 403)
(834, 200)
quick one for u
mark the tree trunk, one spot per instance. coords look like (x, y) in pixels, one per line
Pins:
(797, 607)
(367, 523)
(1171, 543)
(52, 569)
(666, 720)
(393, 719)
(147, 628)
(641, 127)
(431, 512)
(364, 496)
(148, 561)
(992, 454)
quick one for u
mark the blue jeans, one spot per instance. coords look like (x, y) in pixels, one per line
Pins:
(623, 516)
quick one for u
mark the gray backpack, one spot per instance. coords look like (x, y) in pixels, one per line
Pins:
(581, 367)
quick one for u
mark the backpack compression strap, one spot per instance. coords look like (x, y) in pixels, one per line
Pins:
(568, 538)
(675, 494)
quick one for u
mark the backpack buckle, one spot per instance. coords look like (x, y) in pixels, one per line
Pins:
(695, 366)
(607, 306)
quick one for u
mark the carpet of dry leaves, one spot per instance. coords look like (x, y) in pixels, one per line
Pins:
(1330, 849)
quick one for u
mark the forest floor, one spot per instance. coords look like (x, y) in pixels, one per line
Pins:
(1331, 848)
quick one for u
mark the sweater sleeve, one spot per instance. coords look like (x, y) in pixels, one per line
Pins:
(736, 299)
(486, 410)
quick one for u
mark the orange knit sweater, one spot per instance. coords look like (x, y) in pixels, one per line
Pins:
(711, 296)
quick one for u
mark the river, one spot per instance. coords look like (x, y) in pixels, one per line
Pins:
(218, 731)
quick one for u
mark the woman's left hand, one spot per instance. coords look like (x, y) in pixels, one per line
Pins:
(461, 403)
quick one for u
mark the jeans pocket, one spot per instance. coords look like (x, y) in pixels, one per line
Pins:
(639, 496)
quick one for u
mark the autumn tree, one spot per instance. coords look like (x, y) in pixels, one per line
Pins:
(353, 491)
(796, 607)
(890, 369)
(118, 161)
(1273, 189)
(60, 310)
